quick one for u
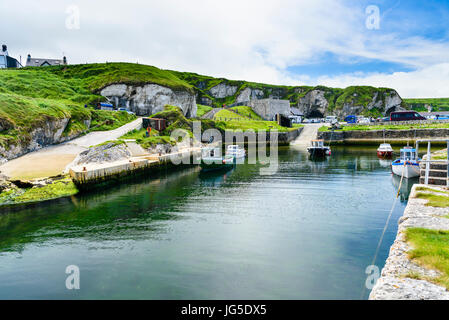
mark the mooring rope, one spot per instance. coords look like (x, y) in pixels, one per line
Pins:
(386, 226)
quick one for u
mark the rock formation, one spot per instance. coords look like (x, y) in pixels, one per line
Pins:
(148, 99)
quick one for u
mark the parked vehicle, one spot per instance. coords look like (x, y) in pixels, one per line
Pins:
(331, 119)
(363, 121)
(406, 116)
(351, 119)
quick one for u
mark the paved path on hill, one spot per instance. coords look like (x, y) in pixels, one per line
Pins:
(53, 160)
(308, 134)
(211, 114)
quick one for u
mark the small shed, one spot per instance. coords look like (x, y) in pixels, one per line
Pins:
(283, 120)
(154, 123)
(105, 106)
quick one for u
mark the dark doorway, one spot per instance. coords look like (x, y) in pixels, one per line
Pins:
(315, 114)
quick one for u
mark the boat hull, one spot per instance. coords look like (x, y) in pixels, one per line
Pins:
(318, 152)
(215, 166)
(384, 154)
(410, 169)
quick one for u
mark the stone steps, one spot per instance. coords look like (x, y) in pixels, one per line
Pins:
(434, 173)
(439, 181)
(434, 166)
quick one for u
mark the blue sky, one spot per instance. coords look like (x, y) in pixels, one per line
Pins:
(405, 19)
(290, 42)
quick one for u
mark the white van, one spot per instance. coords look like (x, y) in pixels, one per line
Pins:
(331, 119)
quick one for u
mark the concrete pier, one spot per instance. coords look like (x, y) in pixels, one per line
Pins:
(89, 176)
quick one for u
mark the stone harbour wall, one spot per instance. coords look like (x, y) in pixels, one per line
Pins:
(377, 136)
(394, 283)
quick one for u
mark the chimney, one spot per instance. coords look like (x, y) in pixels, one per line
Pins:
(64, 60)
(4, 49)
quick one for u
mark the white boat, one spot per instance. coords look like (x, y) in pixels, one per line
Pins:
(407, 164)
(235, 151)
(318, 149)
(212, 159)
(385, 151)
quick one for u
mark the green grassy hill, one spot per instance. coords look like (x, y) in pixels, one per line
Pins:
(336, 97)
(438, 104)
(31, 96)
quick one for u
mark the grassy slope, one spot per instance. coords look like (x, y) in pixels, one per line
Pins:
(202, 110)
(31, 96)
(434, 200)
(247, 112)
(431, 249)
(438, 104)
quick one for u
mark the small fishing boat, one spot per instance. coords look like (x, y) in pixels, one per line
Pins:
(407, 164)
(318, 149)
(385, 151)
(212, 160)
(235, 151)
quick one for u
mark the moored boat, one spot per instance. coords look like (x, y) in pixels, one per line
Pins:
(236, 152)
(385, 151)
(407, 164)
(318, 149)
(212, 160)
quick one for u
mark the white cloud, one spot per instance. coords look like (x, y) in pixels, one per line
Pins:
(427, 82)
(250, 40)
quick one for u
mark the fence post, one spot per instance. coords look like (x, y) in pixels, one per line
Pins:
(417, 148)
(426, 181)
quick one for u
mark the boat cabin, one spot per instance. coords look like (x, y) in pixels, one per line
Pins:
(211, 153)
(317, 143)
(409, 154)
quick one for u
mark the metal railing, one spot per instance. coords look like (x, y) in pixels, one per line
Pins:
(429, 160)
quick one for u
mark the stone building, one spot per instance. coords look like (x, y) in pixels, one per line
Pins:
(43, 62)
(268, 108)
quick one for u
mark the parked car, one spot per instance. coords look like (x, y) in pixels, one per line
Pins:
(406, 116)
(331, 119)
(363, 121)
(351, 119)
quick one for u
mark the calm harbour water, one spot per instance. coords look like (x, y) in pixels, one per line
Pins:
(307, 232)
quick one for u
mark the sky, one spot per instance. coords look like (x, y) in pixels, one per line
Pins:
(399, 44)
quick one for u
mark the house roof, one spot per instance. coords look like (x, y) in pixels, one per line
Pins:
(38, 62)
(295, 111)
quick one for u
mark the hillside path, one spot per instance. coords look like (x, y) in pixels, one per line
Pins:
(308, 134)
(53, 160)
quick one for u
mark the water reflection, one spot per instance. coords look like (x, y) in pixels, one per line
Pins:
(406, 186)
(307, 232)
